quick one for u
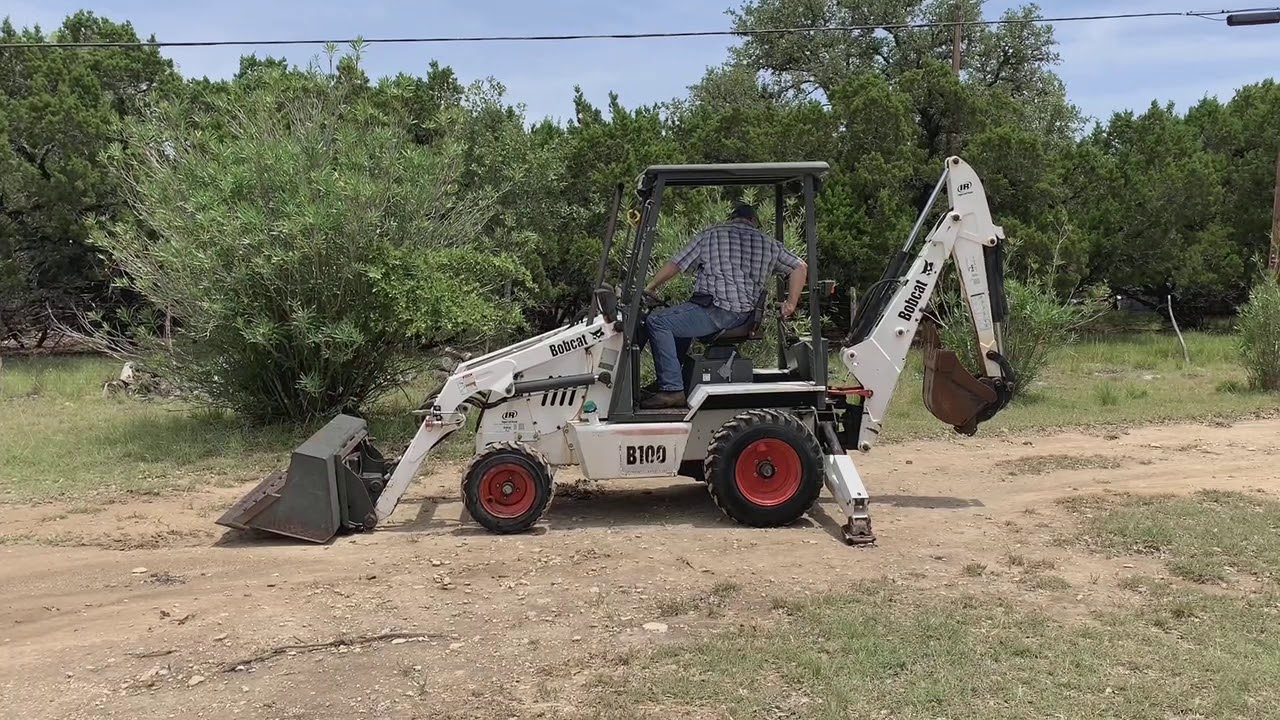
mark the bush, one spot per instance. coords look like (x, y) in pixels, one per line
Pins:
(1037, 324)
(307, 248)
(1259, 326)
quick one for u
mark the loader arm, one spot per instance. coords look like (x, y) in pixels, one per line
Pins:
(966, 235)
(337, 480)
(492, 379)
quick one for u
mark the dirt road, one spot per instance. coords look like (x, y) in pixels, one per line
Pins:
(149, 610)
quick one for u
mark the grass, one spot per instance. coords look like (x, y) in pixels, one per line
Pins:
(890, 653)
(1028, 563)
(1043, 464)
(710, 602)
(63, 438)
(1046, 582)
(1206, 537)
(1105, 380)
(1181, 653)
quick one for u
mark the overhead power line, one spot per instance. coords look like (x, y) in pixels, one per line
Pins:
(1210, 15)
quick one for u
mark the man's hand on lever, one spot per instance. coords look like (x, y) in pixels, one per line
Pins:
(794, 287)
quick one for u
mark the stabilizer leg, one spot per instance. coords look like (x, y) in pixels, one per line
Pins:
(844, 483)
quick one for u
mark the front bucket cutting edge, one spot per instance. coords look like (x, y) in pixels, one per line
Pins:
(332, 484)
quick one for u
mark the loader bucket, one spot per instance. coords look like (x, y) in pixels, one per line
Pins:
(331, 485)
(951, 392)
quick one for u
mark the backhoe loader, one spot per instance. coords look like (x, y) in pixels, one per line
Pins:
(764, 440)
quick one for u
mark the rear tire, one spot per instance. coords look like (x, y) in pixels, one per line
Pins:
(508, 487)
(764, 468)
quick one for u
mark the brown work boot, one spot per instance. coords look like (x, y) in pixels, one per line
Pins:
(664, 399)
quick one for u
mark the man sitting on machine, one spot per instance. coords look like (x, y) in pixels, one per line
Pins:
(733, 260)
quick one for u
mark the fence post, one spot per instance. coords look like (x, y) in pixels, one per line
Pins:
(1185, 355)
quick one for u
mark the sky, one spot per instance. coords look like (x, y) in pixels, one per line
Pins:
(1106, 65)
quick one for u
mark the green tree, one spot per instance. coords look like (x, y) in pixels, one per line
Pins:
(1259, 328)
(1245, 134)
(420, 103)
(309, 249)
(584, 162)
(1013, 59)
(58, 110)
(885, 108)
(1154, 196)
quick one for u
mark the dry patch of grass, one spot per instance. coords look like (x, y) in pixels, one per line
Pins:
(1053, 462)
(1205, 537)
(890, 652)
(1046, 582)
(711, 602)
(146, 540)
(1030, 564)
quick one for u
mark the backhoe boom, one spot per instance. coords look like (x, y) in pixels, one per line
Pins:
(967, 235)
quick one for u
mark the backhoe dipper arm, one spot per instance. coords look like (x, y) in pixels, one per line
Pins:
(967, 234)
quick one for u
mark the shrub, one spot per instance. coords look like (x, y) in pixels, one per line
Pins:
(306, 247)
(1037, 324)
(1258, 323)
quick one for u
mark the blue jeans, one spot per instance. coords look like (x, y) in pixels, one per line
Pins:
(672, 331)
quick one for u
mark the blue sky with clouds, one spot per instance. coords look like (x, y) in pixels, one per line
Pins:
(1106, 65)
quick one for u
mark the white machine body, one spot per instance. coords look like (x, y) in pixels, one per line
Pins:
(570, 426)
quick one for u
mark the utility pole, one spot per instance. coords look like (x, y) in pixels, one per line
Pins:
(957, 38)
(1274, 264)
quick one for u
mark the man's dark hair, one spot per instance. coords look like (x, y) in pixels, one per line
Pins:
(743, 211)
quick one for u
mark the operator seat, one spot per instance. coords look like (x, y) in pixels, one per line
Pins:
(720, 360)
(752, 329)
(749, 330)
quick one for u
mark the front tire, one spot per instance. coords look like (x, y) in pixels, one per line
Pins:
(508, 487)
(764, 468)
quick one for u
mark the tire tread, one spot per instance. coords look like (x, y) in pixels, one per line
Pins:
(502, 448)
(718, 458)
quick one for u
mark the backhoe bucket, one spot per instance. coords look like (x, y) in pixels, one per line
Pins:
(951, 392)
(331, 485)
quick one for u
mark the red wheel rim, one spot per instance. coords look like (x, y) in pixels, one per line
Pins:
(768, 472)
(507, 490)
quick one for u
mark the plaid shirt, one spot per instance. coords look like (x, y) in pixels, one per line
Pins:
(733, 261)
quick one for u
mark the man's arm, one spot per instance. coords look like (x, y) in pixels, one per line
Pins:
(678, 263)
(663, 276)
(794, 287)
(799, 272)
